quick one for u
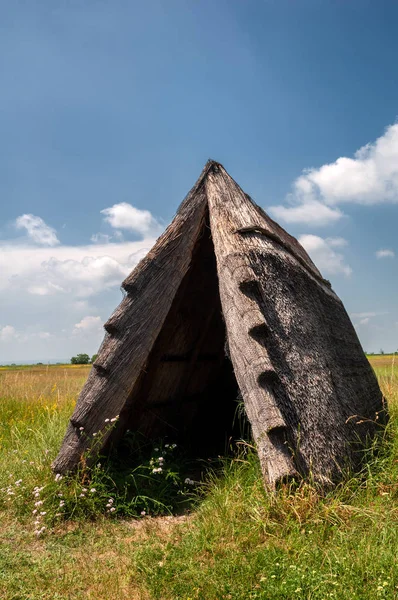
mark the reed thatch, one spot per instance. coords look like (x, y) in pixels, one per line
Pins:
(227, 302)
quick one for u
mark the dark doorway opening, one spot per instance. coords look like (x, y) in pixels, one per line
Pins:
(188, 392)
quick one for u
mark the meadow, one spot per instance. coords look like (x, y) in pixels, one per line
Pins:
(221, 538)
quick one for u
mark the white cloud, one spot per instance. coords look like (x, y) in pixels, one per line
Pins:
(10, 334)
(364, 321)
(84, 277)
(365, 315)
(38, 231)
(51, 286)
(105, 238)
(74, 271)
(53, 289)
(7, 333)
(44, 335)
(309, 212)
(337, 242)
(62, 294)
(100, 238)
(88, 325)
(126, 216)
(326, 259)
(384, 253)
(370, 177)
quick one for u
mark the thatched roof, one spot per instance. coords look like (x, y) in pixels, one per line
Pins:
(225, 271)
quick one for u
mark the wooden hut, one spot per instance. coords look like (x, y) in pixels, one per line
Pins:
(228, 303)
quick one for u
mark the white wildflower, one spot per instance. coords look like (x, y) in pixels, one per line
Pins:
(39, 503)
(58, 477)
(106, 420)
(93, 490)
(143, 513)
(112, 509)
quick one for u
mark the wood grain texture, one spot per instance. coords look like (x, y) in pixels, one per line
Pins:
(309, 363)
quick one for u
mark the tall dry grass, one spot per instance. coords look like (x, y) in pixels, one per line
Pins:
(239, 543)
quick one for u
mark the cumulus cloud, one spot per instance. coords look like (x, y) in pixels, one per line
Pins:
(308, 212)
(126, 216)
(44, 335)
(38, 231)
(53, 289)
(337, 242)
(370, 177)
(77, 272)
(324, 256)
(100, 238)
(8, 333)
(105, 238)
(88, 325)
(84, 277)
(384, 253)
(60, 293)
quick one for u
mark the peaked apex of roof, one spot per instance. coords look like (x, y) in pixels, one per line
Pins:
(210, 166)
(229, 192)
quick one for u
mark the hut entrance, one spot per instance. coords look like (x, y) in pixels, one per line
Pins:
(188, 390)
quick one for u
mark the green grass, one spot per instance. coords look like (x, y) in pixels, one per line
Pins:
(237, 542)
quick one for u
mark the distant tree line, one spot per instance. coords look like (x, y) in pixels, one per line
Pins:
(380, 353)
(83, 359)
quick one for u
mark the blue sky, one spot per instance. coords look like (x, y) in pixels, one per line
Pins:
(108, 111)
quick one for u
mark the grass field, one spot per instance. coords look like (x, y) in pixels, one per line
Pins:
(236, 543)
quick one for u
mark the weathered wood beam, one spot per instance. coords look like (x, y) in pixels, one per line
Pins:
(253, 368)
